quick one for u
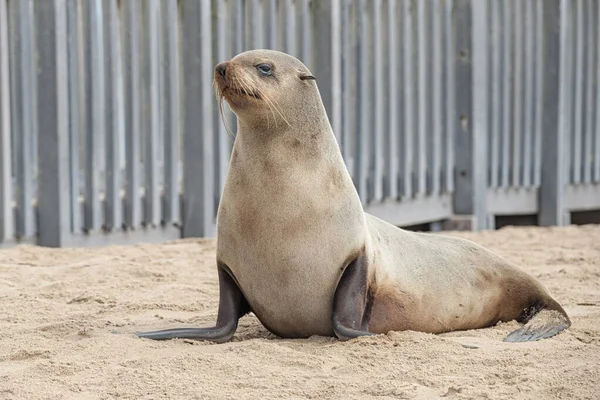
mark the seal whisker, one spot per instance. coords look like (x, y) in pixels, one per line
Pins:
(277, 108)
(223, 119)
(267, 100)
(275, 105)
(219, 95)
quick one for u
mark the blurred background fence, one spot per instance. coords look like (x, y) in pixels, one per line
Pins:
(448, 113)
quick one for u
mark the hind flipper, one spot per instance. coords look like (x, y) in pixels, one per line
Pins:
(546, 323)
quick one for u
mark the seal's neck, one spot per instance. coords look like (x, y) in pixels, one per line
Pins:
(311, 141)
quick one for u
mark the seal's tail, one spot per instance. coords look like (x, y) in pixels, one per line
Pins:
(541, 321)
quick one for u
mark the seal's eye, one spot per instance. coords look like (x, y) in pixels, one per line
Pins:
(264, 69)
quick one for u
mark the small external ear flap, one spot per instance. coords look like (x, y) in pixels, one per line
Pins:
(306, 77)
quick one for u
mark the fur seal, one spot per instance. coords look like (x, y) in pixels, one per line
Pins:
(295, 246)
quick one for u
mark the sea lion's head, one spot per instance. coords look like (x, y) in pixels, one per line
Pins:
(267, 87)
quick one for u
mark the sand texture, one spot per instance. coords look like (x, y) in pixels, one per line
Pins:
(59, 306)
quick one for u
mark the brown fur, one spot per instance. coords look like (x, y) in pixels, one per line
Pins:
(290, 220)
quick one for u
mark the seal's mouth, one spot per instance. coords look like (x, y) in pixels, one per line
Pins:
(238, 91)
(244, 92)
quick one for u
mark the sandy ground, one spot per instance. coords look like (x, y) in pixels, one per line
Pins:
(59, 307)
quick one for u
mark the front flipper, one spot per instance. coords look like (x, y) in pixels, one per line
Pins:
(232, 306)
(352, 301)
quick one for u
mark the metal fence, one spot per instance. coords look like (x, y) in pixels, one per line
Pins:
(442, 108)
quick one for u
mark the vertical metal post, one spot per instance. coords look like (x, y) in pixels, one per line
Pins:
(6, 212)
(423, 76)
(326, 27)
(579, 93)
(507, 71)
(23, 117)
(409, 92)
(254, 15)
(114, 116)
(554, 24)
(394, 132)
(290, 27)
(151, 115)
(96, 117)
(171, 121)
(539, 84)
(472, 110)
(363, 105)
(517, 126)
(272, 39)
(76, 105)
(222, 137)
(436, 97)
(597, 143)
(379, 104)
(305, 44)
(529, 55)
(590, 51)
(346, 133)
(450, 94)
(497, 83)
(53, 115)
(199, 212)
(132, 115)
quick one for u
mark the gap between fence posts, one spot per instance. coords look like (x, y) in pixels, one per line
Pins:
(554, 168)
(53, 119)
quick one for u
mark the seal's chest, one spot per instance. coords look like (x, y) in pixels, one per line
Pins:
(291, 303)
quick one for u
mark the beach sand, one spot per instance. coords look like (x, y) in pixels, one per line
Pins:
(59, 307)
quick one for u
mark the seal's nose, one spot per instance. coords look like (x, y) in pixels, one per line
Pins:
(221, 69)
